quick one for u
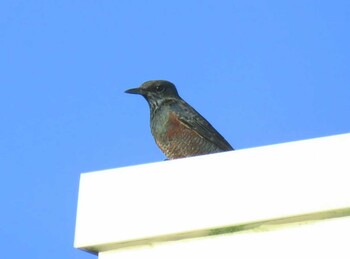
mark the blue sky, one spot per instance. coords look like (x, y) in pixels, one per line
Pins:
(262, 72)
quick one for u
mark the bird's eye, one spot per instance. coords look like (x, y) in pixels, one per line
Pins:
(160, 88)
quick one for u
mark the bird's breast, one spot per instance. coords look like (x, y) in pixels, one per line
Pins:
(166, 126)
(176, 139)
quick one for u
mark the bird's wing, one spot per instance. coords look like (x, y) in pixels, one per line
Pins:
(193, 120)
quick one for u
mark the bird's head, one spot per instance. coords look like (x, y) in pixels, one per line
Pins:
(156, 92)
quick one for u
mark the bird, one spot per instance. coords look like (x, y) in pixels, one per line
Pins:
(178, 129)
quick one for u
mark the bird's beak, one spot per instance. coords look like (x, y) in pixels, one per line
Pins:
(134, 91)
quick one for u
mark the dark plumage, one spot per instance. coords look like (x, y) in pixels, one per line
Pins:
(178, 129)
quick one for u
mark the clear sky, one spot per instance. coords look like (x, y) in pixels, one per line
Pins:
(262, 72)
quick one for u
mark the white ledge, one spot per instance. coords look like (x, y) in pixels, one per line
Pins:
(213, 194)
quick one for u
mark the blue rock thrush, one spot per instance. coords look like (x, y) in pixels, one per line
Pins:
(178, 129)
